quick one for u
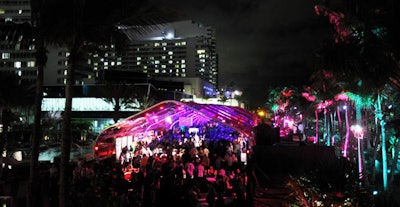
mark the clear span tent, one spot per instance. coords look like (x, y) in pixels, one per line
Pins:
(169, 116)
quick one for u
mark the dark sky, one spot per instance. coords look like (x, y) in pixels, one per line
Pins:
(260, 42)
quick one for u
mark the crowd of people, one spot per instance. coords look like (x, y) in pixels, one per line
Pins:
(166, 171)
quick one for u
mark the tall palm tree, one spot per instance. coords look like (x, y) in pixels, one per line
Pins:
(82, 25)
(31, 34)
(325, 84)
(374, 52)
(38, 33)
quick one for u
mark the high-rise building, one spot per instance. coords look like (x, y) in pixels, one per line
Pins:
(183, 51)
(173, 50)
(19, 55)
(176, 49)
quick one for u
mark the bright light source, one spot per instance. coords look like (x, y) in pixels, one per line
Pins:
(169, 35)
(261, 113)
(358, 131)
(168, 119)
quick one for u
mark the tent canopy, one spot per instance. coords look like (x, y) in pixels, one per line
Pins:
(169, 115)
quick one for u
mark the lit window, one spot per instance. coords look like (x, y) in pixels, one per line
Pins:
(183, 61)
(138, 58)
(156, 71)
(183, 43)
(20, 11)
(200, 51)
(163, 66)
(5, 55)
(17, 64)
(31, 64)
(170, 53)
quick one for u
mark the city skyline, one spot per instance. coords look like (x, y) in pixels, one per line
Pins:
(260, 43)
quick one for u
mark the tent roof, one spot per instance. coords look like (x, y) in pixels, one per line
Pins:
(169, 114)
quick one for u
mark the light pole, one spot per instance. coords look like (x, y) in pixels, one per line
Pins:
(359, 134)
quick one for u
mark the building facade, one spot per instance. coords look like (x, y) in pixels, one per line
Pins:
(182, 52)
(178, 49)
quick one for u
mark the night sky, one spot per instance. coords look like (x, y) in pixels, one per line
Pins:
(260, 43)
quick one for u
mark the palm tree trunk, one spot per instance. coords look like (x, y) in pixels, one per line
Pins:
(33, 185)
(383, 142)
(316, 127)
(117, 109)
(346, 141)
(393, 164)
(376, 145)
(340, 125)
(326, 130)
(66, 133)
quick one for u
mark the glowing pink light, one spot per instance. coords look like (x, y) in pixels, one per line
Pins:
(341, 97)
(308, 96)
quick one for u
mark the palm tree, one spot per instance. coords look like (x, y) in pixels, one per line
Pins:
(38, 31)
(376, 60)
(119, 95)
(325, 84)
(89, 24)
(31, 34)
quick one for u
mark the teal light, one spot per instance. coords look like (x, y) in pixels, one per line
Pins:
(274, 107)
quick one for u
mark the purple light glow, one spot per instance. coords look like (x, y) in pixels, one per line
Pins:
(168, 115)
